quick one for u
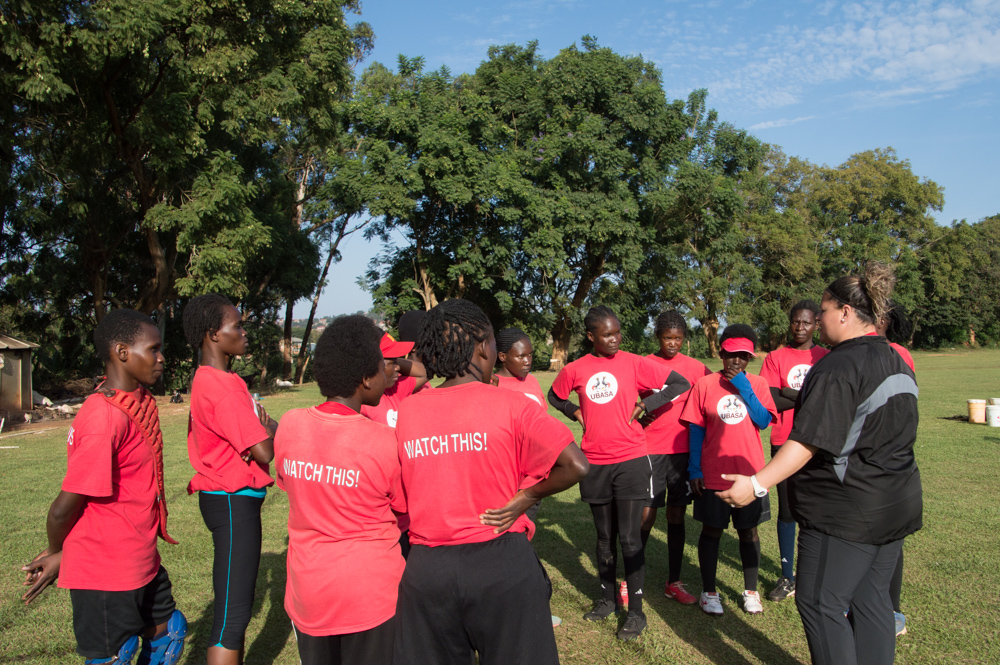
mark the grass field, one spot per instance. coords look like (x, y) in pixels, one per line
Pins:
(950, 592)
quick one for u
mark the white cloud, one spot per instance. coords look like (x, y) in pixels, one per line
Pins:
(784, 122)
(899, 49)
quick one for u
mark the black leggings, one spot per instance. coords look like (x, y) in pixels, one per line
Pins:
(622, 521)
(234, 521)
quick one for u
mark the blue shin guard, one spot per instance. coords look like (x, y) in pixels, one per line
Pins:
(123, 657)
(166, 649)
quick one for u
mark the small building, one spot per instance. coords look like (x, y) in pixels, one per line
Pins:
(15, 374)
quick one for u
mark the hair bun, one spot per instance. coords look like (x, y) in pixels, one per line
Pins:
(877, 281)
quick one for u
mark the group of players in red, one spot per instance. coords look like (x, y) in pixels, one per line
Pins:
(431, 492)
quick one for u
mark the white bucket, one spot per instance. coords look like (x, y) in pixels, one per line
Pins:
(993, 415)
(994, 400)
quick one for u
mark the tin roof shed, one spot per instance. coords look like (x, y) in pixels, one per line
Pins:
(15, 373)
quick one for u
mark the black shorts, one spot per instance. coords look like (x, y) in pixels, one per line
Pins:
(368, 647)
(670, 480)
(712, 511)
(491, 598)
(104, 620)
(626, 481)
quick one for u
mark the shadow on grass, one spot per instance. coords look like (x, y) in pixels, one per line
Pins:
(273, 635)
(578, 527)
(268, 644)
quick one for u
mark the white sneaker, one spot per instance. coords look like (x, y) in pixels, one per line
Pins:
(751, 602)
(710, 603)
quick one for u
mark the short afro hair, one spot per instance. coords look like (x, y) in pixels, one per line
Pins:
(739, 330)
(203, 315)
(346, 353)
(119, 326)
(668, 321)
(807, 305)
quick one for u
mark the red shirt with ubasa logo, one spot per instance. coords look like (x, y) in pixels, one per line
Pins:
(467, 448)
(607, 389)
(732, 441)
(223, 425)
(388, 407)
(110, 463)
(342, 475)
(666, 435)
(787, 368)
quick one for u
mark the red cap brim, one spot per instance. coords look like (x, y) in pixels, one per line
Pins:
(738, 344)
(390, 348)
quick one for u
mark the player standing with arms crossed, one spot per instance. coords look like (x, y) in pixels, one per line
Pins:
(785, 371)
(230, 446)
(667, 444)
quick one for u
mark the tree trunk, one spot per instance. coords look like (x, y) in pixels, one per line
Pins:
(301, 360)
(286, 346)
(301, 373)
(560, 344)
(710, 326)
(972, 336)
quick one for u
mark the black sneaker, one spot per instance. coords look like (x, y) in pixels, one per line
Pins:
(635, 623)
(784, 589)
(602, 610)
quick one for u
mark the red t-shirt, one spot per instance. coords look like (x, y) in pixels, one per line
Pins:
(787, 368)
(223, 425)
(608, 389)
(732, 442)
(527, 386)
(467, 448)
(112, 546)
(388, 406)
(666, 435)
(907, 358)
(342, 476)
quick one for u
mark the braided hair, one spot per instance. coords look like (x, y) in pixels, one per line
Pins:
(867, 294)
(739, 330)
(203, 315)
(449, 335)
(807, 305)
(597, 314)
(669, 320)
(508, 337)
(119, 326)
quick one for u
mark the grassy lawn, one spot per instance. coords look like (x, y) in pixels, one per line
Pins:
(950, 590)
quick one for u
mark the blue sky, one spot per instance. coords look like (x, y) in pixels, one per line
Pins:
(821, 79)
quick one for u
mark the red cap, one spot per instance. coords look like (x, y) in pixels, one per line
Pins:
(738, 344)
(390, 348)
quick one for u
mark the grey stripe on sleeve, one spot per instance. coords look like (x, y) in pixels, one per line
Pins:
(897, 384)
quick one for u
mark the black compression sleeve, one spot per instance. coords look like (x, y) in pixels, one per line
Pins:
(780, 401)
(675, 386)
(567, 407)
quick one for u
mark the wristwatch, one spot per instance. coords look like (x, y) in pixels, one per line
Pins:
(758, 491)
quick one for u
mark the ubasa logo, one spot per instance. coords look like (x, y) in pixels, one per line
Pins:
(390, 418)
(731, 409)
(797, 376)
(602, 388)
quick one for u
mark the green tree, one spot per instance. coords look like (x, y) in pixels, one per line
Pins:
(145, 138)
